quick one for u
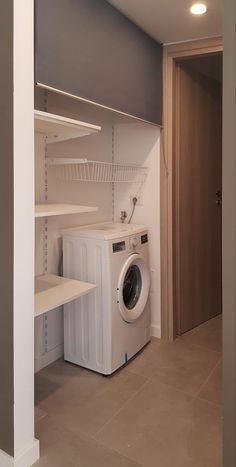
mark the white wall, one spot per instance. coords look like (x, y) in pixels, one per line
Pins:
(139, 143)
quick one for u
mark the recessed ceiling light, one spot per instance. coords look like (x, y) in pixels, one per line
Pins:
(198, 9)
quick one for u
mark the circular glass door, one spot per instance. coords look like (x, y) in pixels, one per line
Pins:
(133, 288)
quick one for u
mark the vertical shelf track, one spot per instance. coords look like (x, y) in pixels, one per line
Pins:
(45, 233)
(113, 184)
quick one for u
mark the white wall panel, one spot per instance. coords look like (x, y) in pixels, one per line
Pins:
(139, 143)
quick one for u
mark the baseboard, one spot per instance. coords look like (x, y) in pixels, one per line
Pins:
(25, 459)
(47, 358)
(155, 331)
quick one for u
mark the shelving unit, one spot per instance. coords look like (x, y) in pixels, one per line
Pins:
(96, 171)
(57, 128)
(52, 291)
(47, 210)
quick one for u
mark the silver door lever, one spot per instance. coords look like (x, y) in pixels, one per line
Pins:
(218, 198)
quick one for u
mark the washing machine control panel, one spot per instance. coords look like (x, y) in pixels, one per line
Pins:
(131, 243)
(118, 246)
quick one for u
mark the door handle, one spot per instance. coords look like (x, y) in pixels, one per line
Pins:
(218, 198)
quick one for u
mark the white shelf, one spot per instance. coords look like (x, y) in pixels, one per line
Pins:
(96, 171)
(46, 210)
(52, 291)
(58, 128)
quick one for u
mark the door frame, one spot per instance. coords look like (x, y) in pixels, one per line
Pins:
(172, 53)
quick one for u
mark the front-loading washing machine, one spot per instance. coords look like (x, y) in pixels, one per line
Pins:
(104, 329)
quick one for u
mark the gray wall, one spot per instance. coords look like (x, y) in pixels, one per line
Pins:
(88, 48)
(229, 234)
(6, 227)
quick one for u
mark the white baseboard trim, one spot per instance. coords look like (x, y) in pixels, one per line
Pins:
(156, 331)
(25, 459)
(44, 360)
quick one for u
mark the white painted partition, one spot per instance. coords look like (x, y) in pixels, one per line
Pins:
(25, 448)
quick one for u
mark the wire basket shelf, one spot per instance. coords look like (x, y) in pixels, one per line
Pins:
(96, 171)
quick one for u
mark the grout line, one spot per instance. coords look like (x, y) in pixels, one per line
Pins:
(108, 449)
(187, 342)
(121, 453)
(206, 381)
(123, 406)
(192, 396)
(204, 348)
(215, 404)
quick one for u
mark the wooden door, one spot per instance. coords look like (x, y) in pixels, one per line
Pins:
(197, 189)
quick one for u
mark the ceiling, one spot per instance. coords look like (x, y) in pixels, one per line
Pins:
(170, 20)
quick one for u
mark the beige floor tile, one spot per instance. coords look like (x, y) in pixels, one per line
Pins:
(60, 448)
(133, 420)
(125, 382)
(212, 389)
(91, 416)
(161, 424)
(56, 449)
(98, 410)
(44, 387)
(208, 335)
(74, 393)
(61, 372)
(90, 397)
(153, 451)
(93, 454)
(142, 416)
(179, 364)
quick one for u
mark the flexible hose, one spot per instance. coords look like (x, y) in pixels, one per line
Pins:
(135, 200)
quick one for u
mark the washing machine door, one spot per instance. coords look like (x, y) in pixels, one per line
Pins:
(133, 288)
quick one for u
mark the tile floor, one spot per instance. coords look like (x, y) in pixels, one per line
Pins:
(162, 410)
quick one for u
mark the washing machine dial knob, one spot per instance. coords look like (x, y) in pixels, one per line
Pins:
(134, 242)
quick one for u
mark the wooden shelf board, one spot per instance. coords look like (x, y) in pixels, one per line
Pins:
(58, 128)
(52, 291)
(46, 210)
